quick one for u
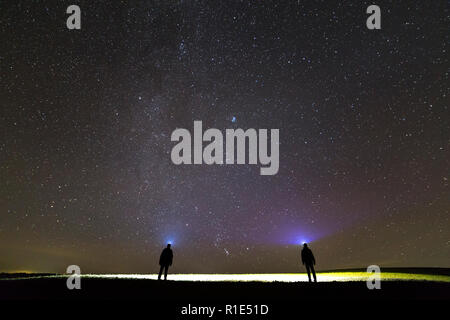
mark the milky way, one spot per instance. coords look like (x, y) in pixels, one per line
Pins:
(86, 119)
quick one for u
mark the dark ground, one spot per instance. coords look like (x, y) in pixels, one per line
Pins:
(197, 292)
(166, 299)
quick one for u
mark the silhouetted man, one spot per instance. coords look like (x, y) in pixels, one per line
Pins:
(165, 260)
(309, 261)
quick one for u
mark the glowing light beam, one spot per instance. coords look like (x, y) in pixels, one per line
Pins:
(268, 277)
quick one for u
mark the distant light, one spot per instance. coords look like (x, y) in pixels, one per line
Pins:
(270, 277)
(233, 119)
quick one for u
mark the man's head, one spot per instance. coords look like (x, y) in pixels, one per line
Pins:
(305, 245)
(168, 245)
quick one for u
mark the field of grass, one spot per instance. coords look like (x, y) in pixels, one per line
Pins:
(328, 276)
(284, 288)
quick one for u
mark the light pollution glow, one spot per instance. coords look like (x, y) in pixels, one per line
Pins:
(269, 277)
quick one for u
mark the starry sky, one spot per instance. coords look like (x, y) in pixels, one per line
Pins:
(86, 117)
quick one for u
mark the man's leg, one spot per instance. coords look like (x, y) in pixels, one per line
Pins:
(307, 270)
(160, 272)
(166, 268)
(314, 273)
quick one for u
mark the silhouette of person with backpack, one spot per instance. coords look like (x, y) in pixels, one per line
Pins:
(165, 260)
(308, 261)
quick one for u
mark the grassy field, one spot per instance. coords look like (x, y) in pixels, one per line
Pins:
(388, 274)
(343, 285)
(264, 277)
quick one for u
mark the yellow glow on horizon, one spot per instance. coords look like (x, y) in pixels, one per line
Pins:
(266, 277)
(19, 271)
(280, 277)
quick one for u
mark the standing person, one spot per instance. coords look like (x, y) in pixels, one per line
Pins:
(165, 260)
(308, 261)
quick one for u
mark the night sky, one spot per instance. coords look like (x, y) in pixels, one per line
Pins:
(86, 118)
